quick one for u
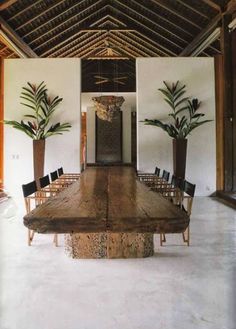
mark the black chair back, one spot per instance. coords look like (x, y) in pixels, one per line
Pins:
(189, 188)
(157, 171)
(60, 171)
(165, 175)
(29, 188)
(44, 181)
(54, 175)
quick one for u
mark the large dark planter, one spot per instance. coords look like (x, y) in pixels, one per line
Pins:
(179, 157)
(38, 158)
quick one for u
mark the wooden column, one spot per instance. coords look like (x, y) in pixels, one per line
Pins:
(228, 108)
(219, 85)
(1, 118)
(233, 39)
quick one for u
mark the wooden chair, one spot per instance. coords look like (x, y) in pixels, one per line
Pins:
(47, 188)
(172, 191)
(72, 176)
(59, 181)
(186, 205)
(160, 183)
(32, 195)
(184, 200)
(143, 175)
(149, 178)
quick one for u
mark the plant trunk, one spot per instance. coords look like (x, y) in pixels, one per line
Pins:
(179, 157)
(38, 156)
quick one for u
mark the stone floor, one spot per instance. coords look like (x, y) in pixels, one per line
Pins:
(180, 287)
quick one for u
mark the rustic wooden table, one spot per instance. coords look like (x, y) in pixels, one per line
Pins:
(108, 214)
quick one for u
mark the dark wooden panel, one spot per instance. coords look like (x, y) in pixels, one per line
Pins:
(111, 70)
(234, 104)
(219, 83)
(109, 140)
(107, 199)
(228, 113)
(134, 139)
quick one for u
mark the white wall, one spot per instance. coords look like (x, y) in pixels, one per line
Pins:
(62, 77)
(128, 106)
(154, 145)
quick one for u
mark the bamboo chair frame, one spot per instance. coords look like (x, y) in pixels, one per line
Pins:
(38, 199)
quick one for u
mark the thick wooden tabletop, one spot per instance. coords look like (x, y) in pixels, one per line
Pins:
(107, 199)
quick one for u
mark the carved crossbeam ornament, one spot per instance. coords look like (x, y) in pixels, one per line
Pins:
(107, 106)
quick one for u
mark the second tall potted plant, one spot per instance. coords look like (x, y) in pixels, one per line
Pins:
(184, 116)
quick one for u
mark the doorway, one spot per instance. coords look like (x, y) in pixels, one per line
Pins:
(109, 140)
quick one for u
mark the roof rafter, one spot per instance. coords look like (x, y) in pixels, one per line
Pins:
(65, 30)
(11, 34)
(162, 18)
(158, 25)
(84, 44)
(6, 3)
(138, 44)
(108, 16)
(65, 21)
(146, 28)
(160, 35)
(19, 27)
(24, 10)
(212, 4)
(201, 36)
(130, 47)
(198, 12)
(164, 5)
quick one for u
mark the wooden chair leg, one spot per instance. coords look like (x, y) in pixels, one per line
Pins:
(55, 240)
(162, 238)
(30, 237)
(186, 237)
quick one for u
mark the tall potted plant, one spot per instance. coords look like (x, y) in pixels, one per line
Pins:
(184, 116)
(36, 124)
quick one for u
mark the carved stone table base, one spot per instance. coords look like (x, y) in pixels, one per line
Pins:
(109, 245)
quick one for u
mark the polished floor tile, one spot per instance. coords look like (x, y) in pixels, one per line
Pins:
(180, 287)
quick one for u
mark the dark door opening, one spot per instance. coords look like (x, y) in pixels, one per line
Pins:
(109, 140)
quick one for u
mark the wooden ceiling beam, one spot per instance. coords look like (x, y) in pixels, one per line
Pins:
(212, 4)
(24, 10)
(163, 4)
(129, 46)
(190, 7)
(92, 45)
(201, 36)
(84, 44)
(6, 3)
(58, 45)
(90, 50)
(128, 52)
(129, 10)
(158, 16)
(108, 16)
(150, 41)
(16, 39)
(151, 12)
(32, 19)
(129, 18)
(138, 44)
(65, 30)
(63, 22)
(231, 7)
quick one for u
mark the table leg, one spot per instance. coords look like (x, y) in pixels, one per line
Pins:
(109, 245)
